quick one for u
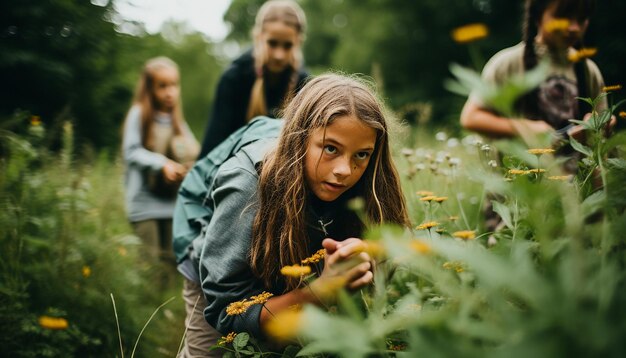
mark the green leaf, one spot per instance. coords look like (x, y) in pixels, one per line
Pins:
(504, 212)
(616, 163)
(241, 340)
(580, 147)
(593, 203)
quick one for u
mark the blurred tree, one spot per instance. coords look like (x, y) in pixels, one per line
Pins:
(59, 59)
(66, 60)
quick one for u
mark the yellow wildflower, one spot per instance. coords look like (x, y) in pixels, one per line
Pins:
(611, 88)
(372, 248)
(315, 258)
(539, 151)
(456, 266)
(425, 193)
(420, 246)
(536, 171)
(556, 25)
(86, 271)
(284, 325)
(582, 54)
(622, 114)
(53, 322)
(35, 121)
(517, 171)
(239, 307)
(227, 340)
(440, 199)
(465, 234)
(122, 251)
(295, 270)
(261, 298)
(427, 225)
(469, 33)
(559, 177)
(428, 198)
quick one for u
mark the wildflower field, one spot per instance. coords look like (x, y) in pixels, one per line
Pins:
(546, 280)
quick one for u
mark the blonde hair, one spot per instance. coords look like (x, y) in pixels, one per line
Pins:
(289, 13)
(145, 99)
(279, 229)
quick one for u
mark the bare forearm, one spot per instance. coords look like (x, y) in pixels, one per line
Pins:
(484, 122)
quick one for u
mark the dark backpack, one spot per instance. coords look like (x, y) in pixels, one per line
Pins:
(193, 204)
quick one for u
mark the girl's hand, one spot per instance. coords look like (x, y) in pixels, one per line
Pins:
(345, 262)
(173, 172)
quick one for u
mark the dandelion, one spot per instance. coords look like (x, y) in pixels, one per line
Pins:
(440, 199)
(427, 225)
(261, 298)
(86, 271)
(48, 322)
(420, 247)
(428, 198)
(556, 25)
(295, 270)
(35, 121)
(540, 151)
(582, 54)
(611, 88)
(469, 33)
(315, 258)
(285, 325)
(227, 340)
(424, 193)
(465, 234)
(239, 307)
(559, 177)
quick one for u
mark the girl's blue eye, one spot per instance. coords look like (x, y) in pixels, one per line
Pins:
(362, 155)
(329, 149)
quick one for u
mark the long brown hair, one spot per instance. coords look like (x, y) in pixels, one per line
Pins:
(289, 13)
(145, 99)
(533, 11)
(279, 232)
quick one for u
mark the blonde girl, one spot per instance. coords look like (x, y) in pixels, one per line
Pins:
(278, 201)
(263, 79)
(152, 121)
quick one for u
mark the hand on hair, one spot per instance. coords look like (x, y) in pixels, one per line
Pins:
(347, 263)
(173, 172)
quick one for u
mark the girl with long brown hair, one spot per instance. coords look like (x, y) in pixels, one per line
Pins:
(276, 202)
(154, 119)
(263, 79)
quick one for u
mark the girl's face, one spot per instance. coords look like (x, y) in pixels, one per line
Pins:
(337, 156)
(561, 39)
(165, 88)
(279, 41)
